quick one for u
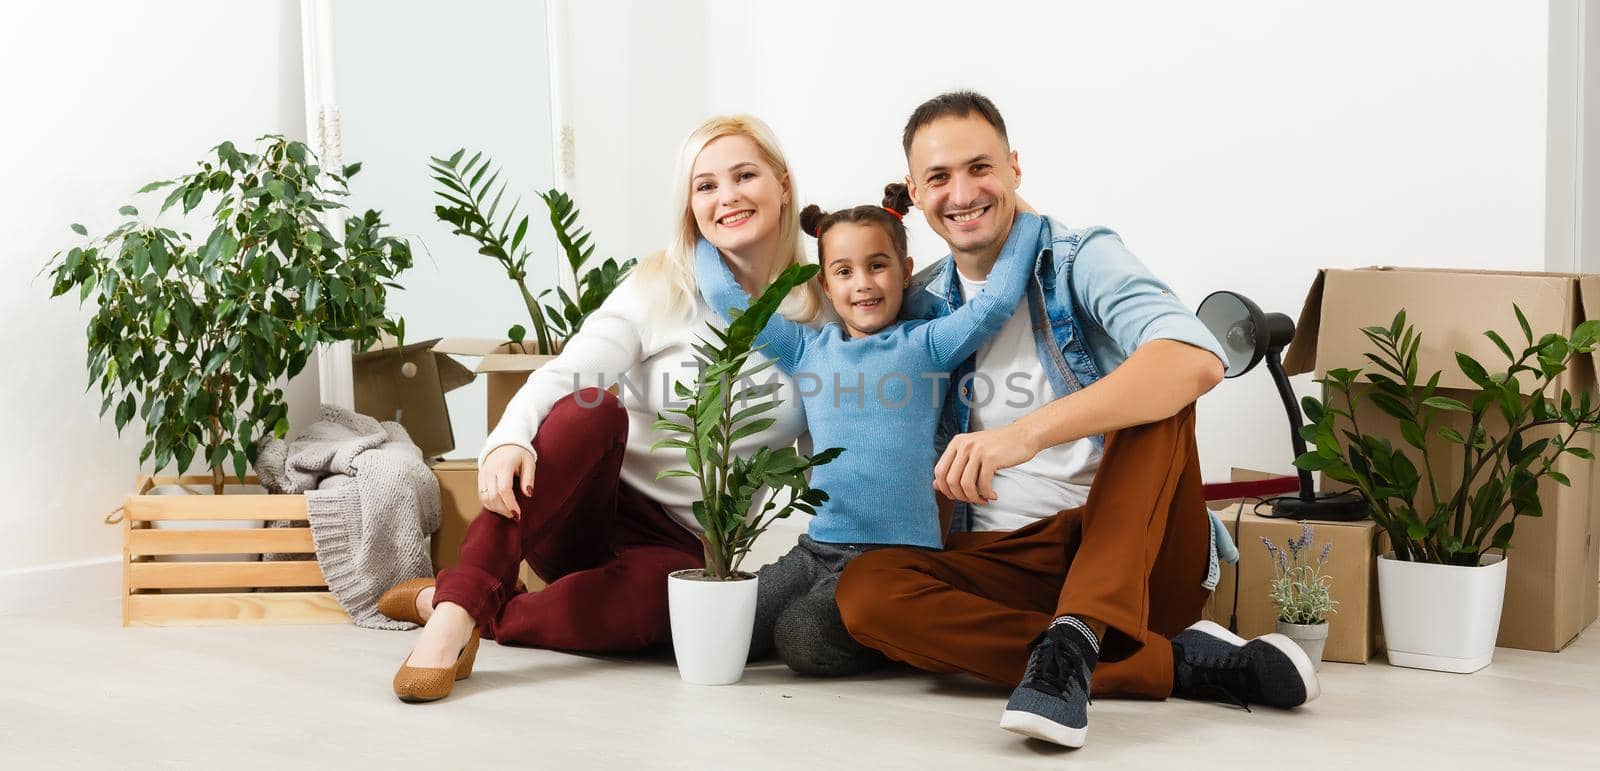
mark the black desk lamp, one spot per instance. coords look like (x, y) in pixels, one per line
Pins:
(1247, 336)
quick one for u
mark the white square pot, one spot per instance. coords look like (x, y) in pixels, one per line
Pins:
(1441, 617)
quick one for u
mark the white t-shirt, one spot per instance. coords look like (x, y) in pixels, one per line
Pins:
(1009, 383)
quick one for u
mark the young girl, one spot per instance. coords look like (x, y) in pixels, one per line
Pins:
(879, 386)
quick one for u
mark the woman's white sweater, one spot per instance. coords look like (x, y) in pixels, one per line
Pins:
(618, 345)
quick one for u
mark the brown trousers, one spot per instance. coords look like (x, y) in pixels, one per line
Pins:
(1133, 557)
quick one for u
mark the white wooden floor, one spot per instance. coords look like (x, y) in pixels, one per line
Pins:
(80, 691)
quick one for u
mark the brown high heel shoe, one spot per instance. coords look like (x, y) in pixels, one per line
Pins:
(419, 684)
(400, 602)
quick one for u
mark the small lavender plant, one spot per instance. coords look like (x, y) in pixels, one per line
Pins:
(1299, 588)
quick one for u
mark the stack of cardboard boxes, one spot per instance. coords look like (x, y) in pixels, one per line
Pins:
(1551, 588)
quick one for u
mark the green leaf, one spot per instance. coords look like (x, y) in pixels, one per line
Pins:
(128, 211)
(1500, 343)
(751, 428)
(1580, 453)
(1412, 433)
(1522, 321)
(1445, 403)
(1473, 370)
(1502, 536)
(1391, 406)
(79, 229)
(1312, 461)
(241, 464)
(1312, 409)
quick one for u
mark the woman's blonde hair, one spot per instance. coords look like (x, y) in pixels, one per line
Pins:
(670, 273)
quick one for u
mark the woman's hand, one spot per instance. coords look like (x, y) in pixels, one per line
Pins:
(506, 465)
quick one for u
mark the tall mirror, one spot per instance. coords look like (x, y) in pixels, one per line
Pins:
(412, 80)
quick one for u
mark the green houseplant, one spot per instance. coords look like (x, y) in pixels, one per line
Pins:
(1506, 435)
(713, 609)
(720, 409)
(194, 337)
(1501, 463)
(473, 192)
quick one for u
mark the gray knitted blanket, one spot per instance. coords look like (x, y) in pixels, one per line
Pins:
(371, 499)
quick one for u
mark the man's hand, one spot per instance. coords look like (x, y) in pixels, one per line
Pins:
(966, 469)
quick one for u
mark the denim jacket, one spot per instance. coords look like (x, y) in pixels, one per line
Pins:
(1092, 303)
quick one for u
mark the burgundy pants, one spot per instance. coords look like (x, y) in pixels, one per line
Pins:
(603, 548)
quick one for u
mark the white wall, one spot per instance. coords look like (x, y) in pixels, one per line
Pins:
(634, 83)
(100, 98)
(1236, 145)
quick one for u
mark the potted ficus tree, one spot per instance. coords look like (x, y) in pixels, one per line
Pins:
(195, 337)
(1440, 587)
(1300, 592)
(713, 610)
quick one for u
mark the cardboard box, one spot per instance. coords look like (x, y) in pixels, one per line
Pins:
(506, 366)
(1352, 631)
(387, 389)
(1551, 591)
(458, 497)
(458, 500)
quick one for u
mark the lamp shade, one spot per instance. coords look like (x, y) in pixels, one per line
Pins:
(1234, 320)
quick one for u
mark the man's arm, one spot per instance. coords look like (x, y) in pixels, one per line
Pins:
(1159, 379)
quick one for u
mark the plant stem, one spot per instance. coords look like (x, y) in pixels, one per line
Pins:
(540, 332)
(1397, 535)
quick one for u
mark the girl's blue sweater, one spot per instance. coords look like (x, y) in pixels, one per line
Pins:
(879, 397)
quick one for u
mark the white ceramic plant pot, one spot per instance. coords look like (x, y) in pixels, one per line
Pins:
(711, 623)
(1441, 617)
(1310, 637)
(220, 524)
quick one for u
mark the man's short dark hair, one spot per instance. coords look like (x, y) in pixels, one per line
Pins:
(953, 104)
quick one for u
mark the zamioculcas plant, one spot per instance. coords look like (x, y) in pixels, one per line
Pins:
(196, 337)
(723, 407)
(472, 191)
(1500, 460)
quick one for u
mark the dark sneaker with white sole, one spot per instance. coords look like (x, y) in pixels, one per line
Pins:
(1213, 664)
(1052, 703)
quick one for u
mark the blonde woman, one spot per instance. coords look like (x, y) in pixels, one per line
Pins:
(567, 479)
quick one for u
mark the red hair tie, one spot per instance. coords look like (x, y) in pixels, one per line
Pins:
(897, 215)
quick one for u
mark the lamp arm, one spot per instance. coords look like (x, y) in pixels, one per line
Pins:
(1281, 379)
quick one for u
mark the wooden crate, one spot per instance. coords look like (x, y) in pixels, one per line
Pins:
(158, 593)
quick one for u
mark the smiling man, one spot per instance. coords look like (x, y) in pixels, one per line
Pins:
(1081, 552)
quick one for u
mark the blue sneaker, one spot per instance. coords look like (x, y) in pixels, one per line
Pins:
(1052, 703)
(1212, 664)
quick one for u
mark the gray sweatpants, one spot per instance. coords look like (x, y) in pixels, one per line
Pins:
(797, 616)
